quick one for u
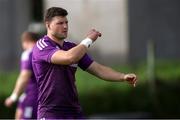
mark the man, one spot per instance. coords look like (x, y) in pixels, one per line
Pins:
(55, 61)
(27, 106)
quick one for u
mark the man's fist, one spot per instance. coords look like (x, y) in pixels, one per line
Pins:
(93, 34)
(131, 79)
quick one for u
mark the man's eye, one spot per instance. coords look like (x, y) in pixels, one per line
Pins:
(59, 23)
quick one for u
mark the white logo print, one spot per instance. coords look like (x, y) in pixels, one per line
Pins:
(74, 65)
(41, 44)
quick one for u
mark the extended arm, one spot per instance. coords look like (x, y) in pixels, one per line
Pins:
(106, 73)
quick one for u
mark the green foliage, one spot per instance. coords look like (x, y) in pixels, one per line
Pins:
(7, 81)
(102, 97)
(165, 70)
(168, 70)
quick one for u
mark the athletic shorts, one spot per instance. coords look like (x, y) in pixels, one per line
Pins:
(28, 105)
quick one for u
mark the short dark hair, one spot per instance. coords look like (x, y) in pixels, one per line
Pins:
(31, 35)
(54, 11)
(34, 36)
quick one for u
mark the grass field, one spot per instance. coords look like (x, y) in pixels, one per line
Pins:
(101, 97)
(167, 71)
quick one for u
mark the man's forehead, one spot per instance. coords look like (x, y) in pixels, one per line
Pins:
(60, 18)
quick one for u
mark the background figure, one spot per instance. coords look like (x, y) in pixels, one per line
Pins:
(27, 104)
(55, 62)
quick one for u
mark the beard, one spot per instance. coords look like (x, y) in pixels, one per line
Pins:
(59, 36)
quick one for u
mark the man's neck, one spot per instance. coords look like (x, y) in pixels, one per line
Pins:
(60, 42)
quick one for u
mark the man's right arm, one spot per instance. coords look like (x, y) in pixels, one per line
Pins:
(76, 53)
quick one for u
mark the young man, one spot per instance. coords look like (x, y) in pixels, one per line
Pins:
(27, 106)
(55, 61)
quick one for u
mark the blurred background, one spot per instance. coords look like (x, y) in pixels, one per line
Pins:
(139, 36)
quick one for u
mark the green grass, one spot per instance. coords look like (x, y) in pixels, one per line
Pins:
(7, 80)
(167, 71)
(89, 83)
(99, 96)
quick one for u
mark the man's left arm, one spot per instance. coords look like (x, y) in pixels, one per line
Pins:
(106, 73)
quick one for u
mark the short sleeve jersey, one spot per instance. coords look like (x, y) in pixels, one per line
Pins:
(26, 64)
(56, 83)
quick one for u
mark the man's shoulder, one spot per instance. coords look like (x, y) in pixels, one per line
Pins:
(70, 43)
(42, 44)
(25, 54)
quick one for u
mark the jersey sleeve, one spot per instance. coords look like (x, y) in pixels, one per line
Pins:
(45, 53)
(26, 60)
(48, 52)
(85, 62)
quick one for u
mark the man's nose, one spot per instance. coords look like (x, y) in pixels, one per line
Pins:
(65, 25)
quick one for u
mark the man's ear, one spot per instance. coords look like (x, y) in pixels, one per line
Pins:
(47, 25)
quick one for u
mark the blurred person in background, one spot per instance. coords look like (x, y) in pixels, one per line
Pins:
(26, 82)
(55, 61)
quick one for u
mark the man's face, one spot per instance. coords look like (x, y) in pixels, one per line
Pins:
(25, 41)
(25, 45)
(58, 27)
